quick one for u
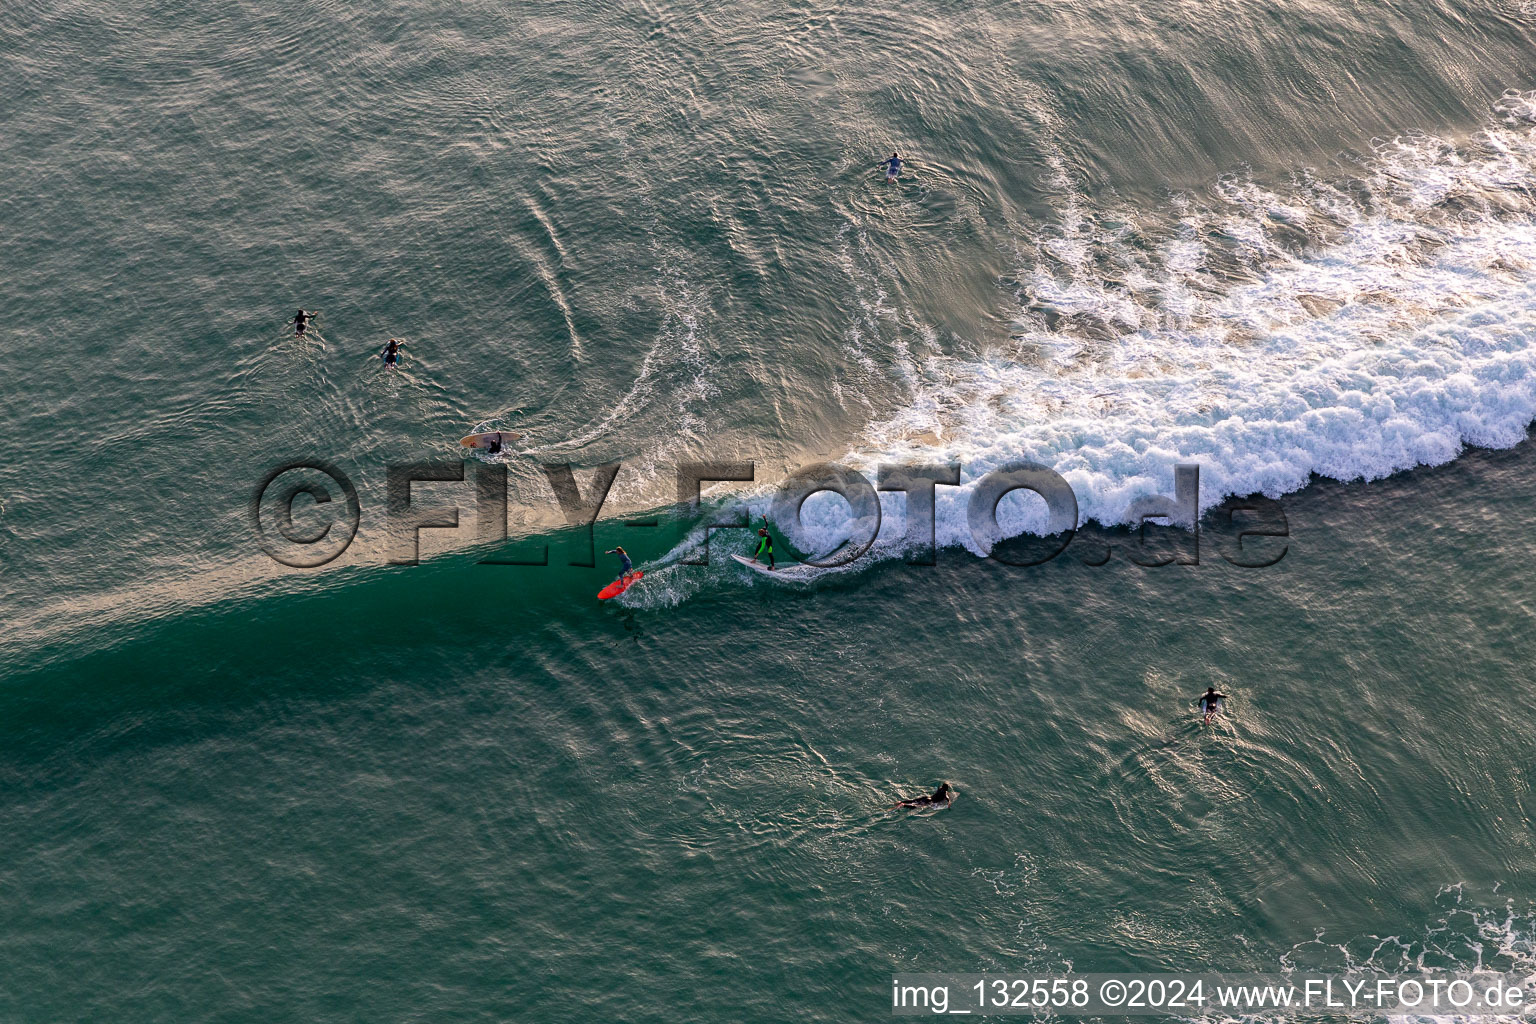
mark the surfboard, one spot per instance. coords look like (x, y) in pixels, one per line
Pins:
(1212, 711)
(484, 440)
(792, 571)
(618, 587)
(757, 566)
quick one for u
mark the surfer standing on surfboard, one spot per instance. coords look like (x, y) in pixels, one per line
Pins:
(764, 544)
(628, 568)
(1208, 701)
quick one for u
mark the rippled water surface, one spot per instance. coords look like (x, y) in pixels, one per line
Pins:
(1291, 242)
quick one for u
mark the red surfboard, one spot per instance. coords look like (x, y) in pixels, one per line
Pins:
(617, 587)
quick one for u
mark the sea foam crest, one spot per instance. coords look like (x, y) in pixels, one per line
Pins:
(1349, 329)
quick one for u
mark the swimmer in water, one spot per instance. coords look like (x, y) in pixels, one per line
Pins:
(1208, 701)
(301, 321)
(627, 567)
(392, 349)
(940, 797)
(892, 168)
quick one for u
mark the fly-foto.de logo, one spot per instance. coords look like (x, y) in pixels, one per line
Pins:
(307, 512)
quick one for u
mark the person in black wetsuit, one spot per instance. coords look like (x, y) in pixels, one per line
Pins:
(941, 797)
(301, 321)
(392, 349)
(764, 544)
(1208, 701)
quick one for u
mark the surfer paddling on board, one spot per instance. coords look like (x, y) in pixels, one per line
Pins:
(892, 168)
(300, 321)
(764, 544)
(627, 568)
(1208, 701)
(940, 797)
(391, 351)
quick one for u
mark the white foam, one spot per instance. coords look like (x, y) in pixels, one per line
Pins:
(1406, 331)
(1348, 329)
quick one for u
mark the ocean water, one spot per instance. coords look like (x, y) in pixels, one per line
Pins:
(1290, 243)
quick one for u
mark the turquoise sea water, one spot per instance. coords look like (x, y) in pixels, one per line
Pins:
(1292, 243)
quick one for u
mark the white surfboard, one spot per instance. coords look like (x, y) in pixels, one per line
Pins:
(794, 571)
(490, 438)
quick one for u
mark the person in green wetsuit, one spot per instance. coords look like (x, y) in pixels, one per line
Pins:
(764, 544)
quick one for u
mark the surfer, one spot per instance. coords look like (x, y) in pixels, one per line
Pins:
(940, 797)
(1208, 701)
(301, 321)
(392, 349)
(892, 168)
(627, 568)
(764, 544)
